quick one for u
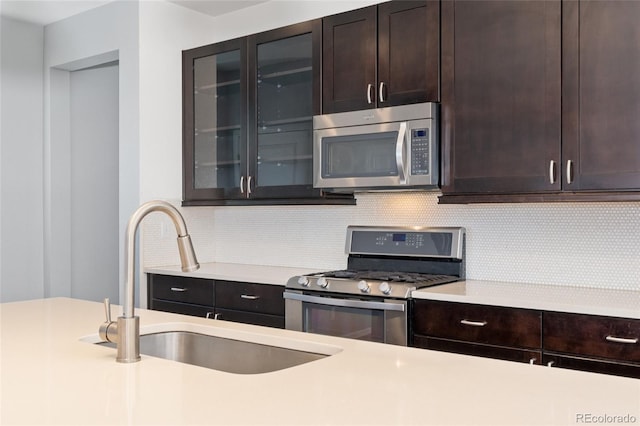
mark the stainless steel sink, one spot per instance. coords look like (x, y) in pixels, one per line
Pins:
(220, 353)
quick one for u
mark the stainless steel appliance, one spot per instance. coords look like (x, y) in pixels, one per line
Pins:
(370, 299)
(394, 148)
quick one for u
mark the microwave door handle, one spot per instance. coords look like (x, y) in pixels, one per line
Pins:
(400, 153)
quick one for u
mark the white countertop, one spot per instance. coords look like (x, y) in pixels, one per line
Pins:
(49, 376)
(586, 300)
(277, 275)
(562, 298)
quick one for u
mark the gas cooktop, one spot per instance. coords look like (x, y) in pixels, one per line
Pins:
(392, 262)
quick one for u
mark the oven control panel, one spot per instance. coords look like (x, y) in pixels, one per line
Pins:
(445, 242)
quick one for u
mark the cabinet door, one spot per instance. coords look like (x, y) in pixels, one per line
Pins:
(214, 121)
(601, 94)
(284, 95)
(501, 91)
(349, 61)
(408, 52)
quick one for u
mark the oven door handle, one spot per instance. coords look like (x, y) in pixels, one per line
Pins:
(346, 303)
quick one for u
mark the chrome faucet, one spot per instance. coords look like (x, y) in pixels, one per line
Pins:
(126, 331)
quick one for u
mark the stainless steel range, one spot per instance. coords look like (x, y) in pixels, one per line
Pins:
(370, 300)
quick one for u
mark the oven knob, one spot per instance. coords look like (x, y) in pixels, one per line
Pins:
(322, 282)
(303, 281)
(364, 286)
(385, 288)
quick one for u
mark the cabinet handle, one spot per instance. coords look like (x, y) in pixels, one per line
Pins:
(381, 91)
(369, 96)
(249, 185)
(550, 363)
(249, 297)
(569, 172)
(179, 289)
(631, 341)
(532, 361)
(473, 323)
(242, 184)
(211, 314)
(552, 172)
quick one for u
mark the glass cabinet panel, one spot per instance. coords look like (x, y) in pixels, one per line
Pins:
(284, 94)
(218, 113)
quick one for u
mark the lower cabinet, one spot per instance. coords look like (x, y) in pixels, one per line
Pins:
(490, 331)
(593, 343)
(181, 295)
(583, 342)
(250, 303)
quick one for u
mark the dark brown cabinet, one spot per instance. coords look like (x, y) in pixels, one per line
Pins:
(601, 95)
(251, 303)
(501, 75)
(259, 304)
(592, 343)
(181, 295)
(380, 56)
(248, 106)
(489, 331)
(506, 135)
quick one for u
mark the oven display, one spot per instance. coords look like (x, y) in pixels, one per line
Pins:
(400, 237)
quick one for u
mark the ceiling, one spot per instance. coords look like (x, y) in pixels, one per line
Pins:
(44, 12)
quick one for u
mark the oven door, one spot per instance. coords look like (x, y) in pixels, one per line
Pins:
(372, 319)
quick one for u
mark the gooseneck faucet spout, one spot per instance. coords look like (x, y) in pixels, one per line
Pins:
(126, 331)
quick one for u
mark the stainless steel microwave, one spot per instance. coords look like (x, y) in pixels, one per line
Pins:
(394, 148)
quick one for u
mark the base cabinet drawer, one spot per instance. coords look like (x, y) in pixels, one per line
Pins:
(592, 336)
(492, 325)
(198, 291)
(181, 295)
(591, 364)
(182, 308)
(477, 349)
(250, 297)
(275, 321)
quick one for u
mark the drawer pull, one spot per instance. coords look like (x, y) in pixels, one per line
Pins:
(473, 323)
(249, 297)
(532, 361)
(550, 363)
(630, 341)
(211, 315)
(179, 289)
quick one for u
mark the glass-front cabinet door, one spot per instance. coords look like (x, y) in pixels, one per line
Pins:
(284, 67)
(248, 107)
(214, 121)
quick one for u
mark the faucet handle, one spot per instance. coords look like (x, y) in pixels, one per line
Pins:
(107, 309)
(108, 331)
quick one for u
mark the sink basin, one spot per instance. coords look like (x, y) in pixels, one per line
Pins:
(243, 353)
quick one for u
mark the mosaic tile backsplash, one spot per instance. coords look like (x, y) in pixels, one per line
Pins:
(577, 244)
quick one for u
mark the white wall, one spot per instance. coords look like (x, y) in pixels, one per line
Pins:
(590, 244)
(100, 35)
(21, 220)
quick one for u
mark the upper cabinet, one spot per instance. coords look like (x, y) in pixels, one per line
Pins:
(506, 135)
(500, 96)
(381, 56)
(247, 119)
(601, 95)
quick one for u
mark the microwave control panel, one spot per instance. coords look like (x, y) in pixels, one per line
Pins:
(420, 152)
